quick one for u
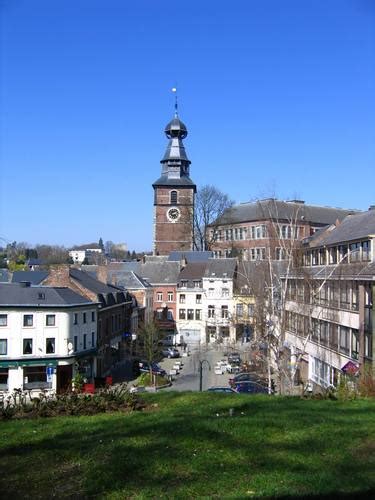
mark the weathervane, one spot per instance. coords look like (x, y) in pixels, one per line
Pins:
(174, 90)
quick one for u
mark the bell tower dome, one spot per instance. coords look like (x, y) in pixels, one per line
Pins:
(174, 194)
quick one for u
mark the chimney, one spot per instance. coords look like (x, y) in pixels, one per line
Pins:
(58, 276)
(102, 274)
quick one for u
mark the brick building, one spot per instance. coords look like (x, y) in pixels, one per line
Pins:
(266, 229)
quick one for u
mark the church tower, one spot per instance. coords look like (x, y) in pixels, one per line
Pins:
(174, 195)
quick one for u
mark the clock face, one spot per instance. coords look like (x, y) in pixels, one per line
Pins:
(173, 214)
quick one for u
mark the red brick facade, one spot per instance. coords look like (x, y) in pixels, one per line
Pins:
(172, 234)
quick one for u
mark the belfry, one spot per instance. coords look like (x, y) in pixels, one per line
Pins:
(174, 194)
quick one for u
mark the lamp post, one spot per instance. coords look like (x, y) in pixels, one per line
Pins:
(201, 362)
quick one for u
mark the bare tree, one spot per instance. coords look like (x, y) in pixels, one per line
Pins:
(210, 205)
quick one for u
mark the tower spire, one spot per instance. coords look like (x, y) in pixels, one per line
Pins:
(174, 90)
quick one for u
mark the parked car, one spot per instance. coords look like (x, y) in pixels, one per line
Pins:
(144, 366)
(234, 357)
(250, 387)
(247, 377)
(227, 390)
(170, 352)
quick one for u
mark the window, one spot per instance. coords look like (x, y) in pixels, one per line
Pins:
(355, 249)
(198, 314)
(355, 344)
(93, 339)
(35, 377)
(4, 372)
(183, 284)
(224, 312)
(3, 319)
(170, 314)
(27, 346)
(332, 255)
(190, 314)
(250, 309)
(211, 292)
(197, 284)
(159, 297)
(228, 234)
(173, 197)
(75, 319)
(159, 314)
(344, 339)
(170, 296)
(239, 310)
(211, 311)
(92, 316)
(324, 333)
(280, 253)
(182, 298)
(182, 314)
(84, 317)
(75, 339)
(198, 298)
(50, 320)
(366, 250)
(225, 292)
(334, 336)
(27, 320)
(50, 346)
(3, 347)
(85, 340)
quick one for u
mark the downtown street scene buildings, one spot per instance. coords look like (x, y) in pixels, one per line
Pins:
(294, 282)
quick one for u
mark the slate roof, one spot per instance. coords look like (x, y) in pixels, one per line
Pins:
(220, 268)
(190, 256)
(34, 277)
(92, 284)
(131, 281)
(154, 271)
(159, 273)
(16, 294)
(283, 210)
(353, 227)
(250, 272)
(175, 182)
(193, 272)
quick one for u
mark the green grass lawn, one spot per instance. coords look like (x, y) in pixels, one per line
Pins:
(188, 446)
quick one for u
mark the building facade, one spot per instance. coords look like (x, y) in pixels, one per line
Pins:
(47, 336)
(268, 229)
(329, 308)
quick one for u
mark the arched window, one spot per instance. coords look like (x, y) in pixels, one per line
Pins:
(173, 197)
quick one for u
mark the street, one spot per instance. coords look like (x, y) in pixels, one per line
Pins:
(188, 379)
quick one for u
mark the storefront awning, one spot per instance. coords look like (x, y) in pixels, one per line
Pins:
(28, 362)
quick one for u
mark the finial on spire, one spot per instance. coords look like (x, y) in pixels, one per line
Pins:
(174, 90)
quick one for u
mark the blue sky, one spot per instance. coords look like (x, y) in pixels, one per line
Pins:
(278, 98)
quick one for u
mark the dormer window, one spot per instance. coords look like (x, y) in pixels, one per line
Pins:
(173, 197)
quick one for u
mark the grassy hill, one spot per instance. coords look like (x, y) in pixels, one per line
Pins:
(187, 445)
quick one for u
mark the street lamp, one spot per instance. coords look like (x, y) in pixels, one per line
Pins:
(201, 362)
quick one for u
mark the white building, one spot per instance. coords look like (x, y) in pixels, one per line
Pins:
(205, 302)
(218, 300)
(47, 336)
(190, 322)
(80, 254)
